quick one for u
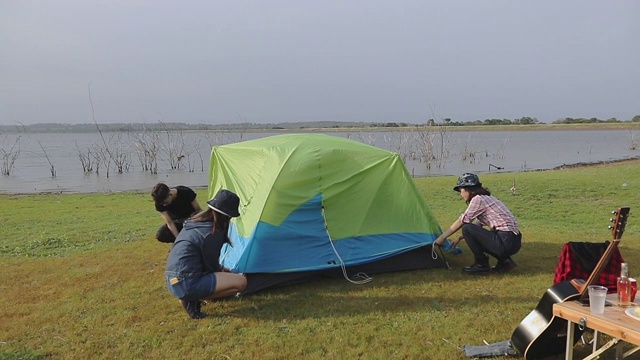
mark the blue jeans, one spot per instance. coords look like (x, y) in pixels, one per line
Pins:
(499, 244)
(191, 288)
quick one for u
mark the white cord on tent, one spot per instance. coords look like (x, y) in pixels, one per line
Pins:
(365, 278)
(434, 255)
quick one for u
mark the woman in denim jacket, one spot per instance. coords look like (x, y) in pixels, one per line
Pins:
(193, 272)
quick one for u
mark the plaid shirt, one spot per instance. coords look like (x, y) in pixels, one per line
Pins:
(490, 212)
(579, 259)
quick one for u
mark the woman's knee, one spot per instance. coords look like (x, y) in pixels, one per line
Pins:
(240, 281)
(226, 281)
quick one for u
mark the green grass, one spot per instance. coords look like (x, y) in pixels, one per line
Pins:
(83, 278)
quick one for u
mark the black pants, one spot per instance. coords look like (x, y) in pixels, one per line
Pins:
(165, 235)
(499, 244)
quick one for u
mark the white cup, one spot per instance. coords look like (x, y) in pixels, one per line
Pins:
(597, 297)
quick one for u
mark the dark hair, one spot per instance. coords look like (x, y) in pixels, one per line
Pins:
(476, 190)
(220, 221)
(159, 193)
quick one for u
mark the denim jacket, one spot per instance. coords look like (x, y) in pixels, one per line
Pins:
(195, 252)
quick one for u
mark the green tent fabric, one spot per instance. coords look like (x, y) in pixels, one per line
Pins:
(313, 202)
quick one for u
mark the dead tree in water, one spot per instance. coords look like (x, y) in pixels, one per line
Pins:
(103, 153)
(468, 153)
(403, 146)
(85, 160)
(633, 140)
(427, 137)
(435, 143)
(147, 145)
(120, 153)
(9, 156)
(100, 157)
(174, 148)
(53, 169)
(195, 148)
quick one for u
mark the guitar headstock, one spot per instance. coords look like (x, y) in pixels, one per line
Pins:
(619, 222)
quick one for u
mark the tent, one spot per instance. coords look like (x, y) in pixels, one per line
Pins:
(314, 205)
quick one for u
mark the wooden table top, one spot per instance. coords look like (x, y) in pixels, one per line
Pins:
(614, 322)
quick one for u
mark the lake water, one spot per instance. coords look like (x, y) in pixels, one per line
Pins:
(450, 153)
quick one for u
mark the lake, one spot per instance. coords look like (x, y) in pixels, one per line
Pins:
(182, 158)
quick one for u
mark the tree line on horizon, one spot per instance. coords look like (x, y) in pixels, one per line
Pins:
(179, 126)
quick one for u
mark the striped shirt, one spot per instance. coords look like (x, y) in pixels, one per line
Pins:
(490, 212)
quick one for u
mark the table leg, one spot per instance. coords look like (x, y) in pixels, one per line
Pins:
(605, 347)
(570, 334)
(631, 352)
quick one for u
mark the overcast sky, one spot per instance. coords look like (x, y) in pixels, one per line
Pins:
(301, 60)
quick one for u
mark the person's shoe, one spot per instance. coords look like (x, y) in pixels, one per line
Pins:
(477, 269)
(193, 309)
(505, 266)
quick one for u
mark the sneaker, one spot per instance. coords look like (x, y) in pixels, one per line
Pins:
(193, 309)
(505, 266)
(477, 268)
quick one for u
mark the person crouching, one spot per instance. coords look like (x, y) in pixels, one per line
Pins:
(193, 272)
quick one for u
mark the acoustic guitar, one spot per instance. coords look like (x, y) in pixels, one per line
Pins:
(541, 334)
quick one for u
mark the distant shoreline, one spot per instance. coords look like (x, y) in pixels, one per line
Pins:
(595, 163)
(304, 127)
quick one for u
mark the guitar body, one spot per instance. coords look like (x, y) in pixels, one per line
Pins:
(541, 334)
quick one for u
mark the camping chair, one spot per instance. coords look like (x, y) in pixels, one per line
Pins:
(578, 259)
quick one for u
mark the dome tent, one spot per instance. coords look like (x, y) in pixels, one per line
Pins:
(314, 205)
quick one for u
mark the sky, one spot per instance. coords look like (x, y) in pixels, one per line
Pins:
(273, 61)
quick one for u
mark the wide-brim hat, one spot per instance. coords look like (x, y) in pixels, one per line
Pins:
(225, 202)
(467, 180)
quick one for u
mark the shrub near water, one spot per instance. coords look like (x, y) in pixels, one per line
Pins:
(83, 279)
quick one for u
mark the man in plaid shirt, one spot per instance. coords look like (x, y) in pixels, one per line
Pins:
(488, 227)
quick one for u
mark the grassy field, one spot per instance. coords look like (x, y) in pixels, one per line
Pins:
(83, 278)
